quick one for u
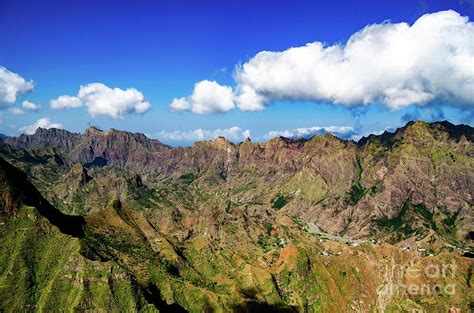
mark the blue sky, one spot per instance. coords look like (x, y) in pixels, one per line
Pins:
(162, 48)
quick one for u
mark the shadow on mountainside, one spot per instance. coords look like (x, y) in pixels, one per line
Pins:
(16, 190)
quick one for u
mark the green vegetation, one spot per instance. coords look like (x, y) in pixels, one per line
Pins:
(268, 228)
(450, 221)
(230, 205)
(44, 268)
(421, 210)
(356, 193)
(375, 189)
(359, 169)
(280, 202)
(188, 178)
(244, 188)
(397, 223)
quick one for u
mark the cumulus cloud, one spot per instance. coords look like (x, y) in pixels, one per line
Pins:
(233, 133)
(207, 97)
(12, 85)
(16, 111)
(345, 132)
(41, 123)
(65, 102)
(30, 106)
(103, 100)
(396, 64)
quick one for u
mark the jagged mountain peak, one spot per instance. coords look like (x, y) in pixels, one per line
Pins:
(222, 142)
(286, 142)
(50, 131)
(247, 140)
(423, 129)
(93, 130)
(420, 130)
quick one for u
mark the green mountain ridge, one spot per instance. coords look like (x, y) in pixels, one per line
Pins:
(42, 263)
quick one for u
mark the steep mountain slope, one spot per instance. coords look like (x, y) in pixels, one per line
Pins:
(41, 268)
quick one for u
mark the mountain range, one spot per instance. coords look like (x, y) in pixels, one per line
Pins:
(116, 221)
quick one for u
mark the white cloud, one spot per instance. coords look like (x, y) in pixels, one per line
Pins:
(396, 64)
(65, 102)
(41, 123)
(12, 85)
(207, 97)
(103, 100)
(16, 111)
(30, 106)
(339, 131)
(233, 133)
(249, 100)
(115, 102)
(180, 104)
